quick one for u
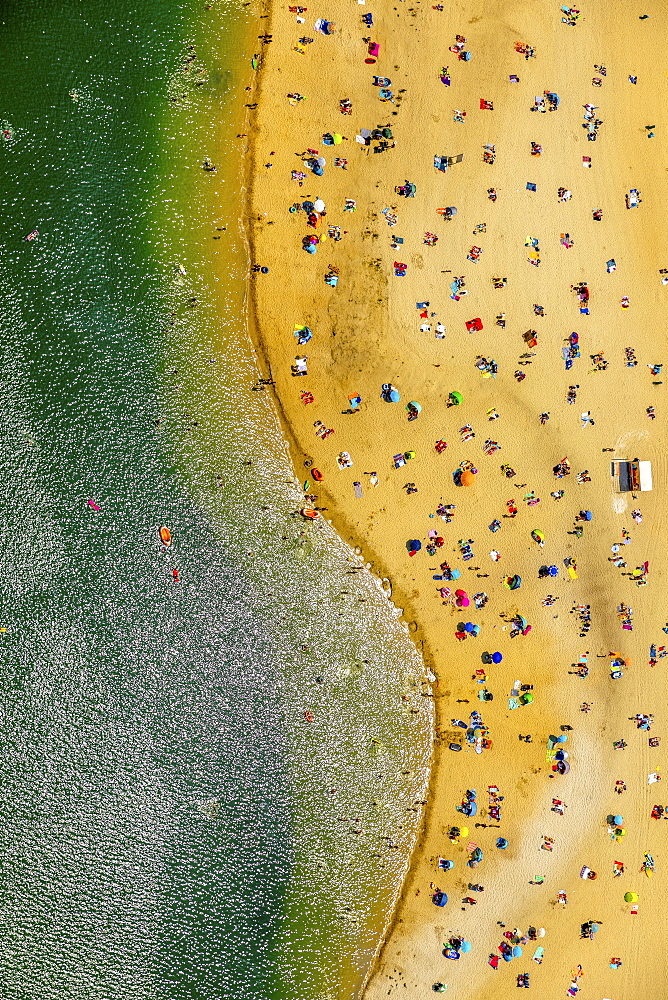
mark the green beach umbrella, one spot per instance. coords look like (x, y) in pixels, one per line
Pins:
(456, 398)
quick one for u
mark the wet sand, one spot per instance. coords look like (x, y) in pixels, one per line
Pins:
(367, 333)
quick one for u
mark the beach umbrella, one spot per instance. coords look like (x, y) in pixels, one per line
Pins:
(526, 698)
(538, 536)
(321, 161)
(463, 602)
(513, 582)
(618, 820)
(563, 767)
(394, 396)
(517, 951)
(469, 626)
(587, 514)
(338, 138)
(310, 248)
(553, 570)
(630, 897)
(501, 843)
(563, 738)
(594, 928)
(540, 932)
(319, 205)
(475, 630)
(467, 478)
(553, 739)
(465, 947)
(496, 657)
(464, 831)
(507, 956)
(415, 406)
(561, 755)
(456, 398)
(413, 545)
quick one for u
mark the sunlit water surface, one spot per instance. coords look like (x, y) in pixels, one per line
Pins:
(172, 826)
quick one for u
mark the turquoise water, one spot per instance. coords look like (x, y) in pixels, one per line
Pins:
(172, 826)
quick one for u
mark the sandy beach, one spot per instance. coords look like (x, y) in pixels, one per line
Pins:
(546, 131)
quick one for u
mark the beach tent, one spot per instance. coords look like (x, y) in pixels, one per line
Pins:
(633, 475)
(439, 899)
(455, 398)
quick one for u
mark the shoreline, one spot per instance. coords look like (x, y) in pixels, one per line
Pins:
(366, 333)
(346, 532)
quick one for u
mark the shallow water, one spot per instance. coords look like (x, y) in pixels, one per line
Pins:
(173, 827)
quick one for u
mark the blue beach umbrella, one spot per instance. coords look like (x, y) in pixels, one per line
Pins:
(496, 657)
(517, 951)
(465, 947)
(553, 570)
(501, 843)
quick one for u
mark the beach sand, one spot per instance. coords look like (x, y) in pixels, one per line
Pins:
(367, 333)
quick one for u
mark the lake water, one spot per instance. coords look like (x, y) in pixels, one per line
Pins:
(173, 827)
